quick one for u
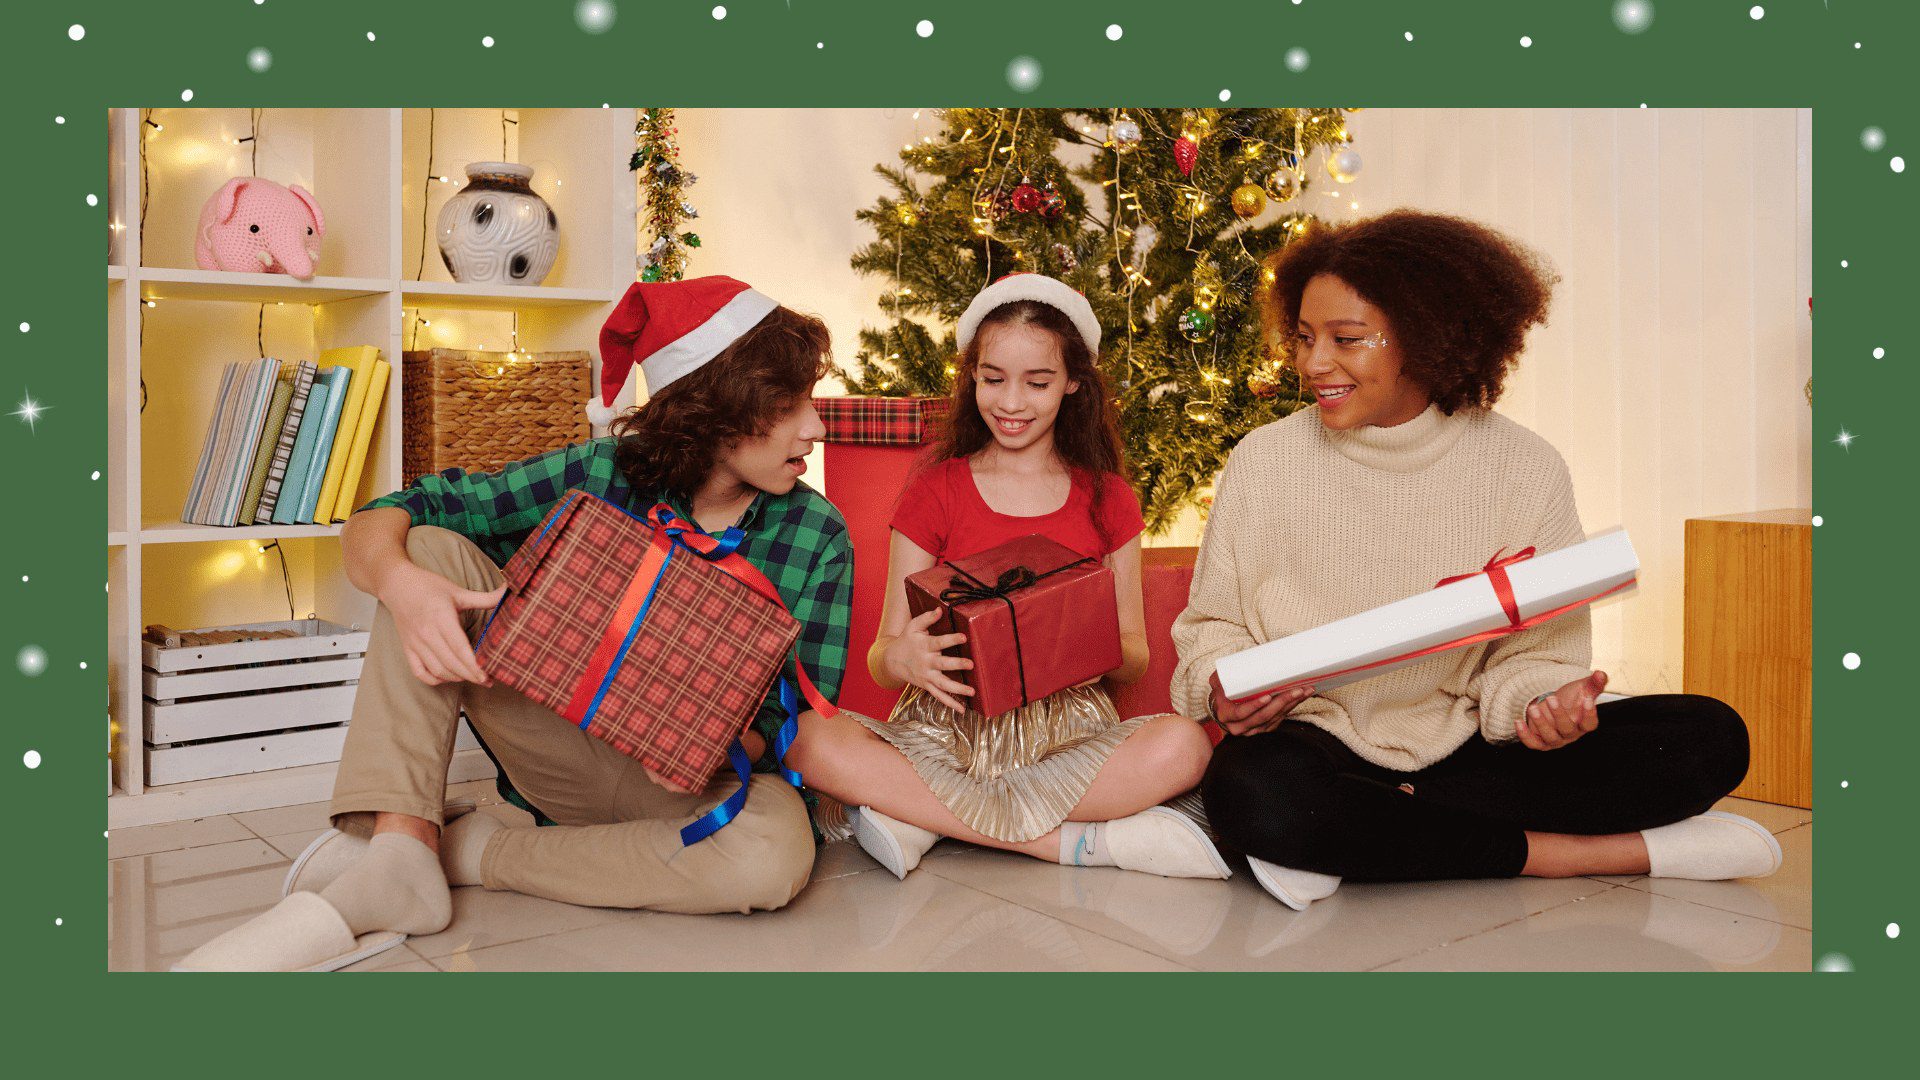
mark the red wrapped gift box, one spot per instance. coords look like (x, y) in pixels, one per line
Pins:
(872, 444)
(1038, 618)
(643, 643)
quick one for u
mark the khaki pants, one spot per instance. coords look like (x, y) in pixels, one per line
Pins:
(617, 843)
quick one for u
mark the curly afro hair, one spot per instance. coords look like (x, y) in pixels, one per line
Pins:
(1459, 295)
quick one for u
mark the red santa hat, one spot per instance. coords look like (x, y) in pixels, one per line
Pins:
(671, 328)
(1026, 285)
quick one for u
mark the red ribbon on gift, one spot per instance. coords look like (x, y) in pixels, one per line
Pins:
(1496, 573)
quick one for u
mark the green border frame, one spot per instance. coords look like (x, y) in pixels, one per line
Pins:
(1700, 53)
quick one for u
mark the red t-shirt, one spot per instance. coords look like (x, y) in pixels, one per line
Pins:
(943, 511)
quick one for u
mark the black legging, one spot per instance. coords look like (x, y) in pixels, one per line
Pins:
(1298, 797)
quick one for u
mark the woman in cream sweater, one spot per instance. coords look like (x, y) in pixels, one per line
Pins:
(1490, 761)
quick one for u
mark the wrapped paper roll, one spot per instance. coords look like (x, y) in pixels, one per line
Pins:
(1511, 594)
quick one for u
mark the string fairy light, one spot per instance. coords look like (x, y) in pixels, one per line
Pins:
(426, 196)
(286, 579)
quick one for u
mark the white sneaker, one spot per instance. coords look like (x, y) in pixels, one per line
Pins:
(1294, 888)
(895, 845)
(1714, 846)
(1160, 840)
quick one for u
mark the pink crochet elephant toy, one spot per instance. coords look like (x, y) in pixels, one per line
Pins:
(256, 225)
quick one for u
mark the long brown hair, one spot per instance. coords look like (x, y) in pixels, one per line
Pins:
(1086, 433)
(670, 444)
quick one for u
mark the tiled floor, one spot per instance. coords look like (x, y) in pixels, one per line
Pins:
(171, 887)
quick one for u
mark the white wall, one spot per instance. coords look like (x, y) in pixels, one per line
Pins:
(1670, 375)
(777, 192)
(1671, 372)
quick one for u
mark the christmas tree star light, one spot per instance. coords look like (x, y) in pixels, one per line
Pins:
(1845, 439)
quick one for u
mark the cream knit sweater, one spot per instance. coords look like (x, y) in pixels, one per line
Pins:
(1311, 525)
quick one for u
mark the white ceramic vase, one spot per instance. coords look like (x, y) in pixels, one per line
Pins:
(495, 230)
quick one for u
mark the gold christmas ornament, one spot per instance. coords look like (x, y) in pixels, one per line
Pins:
(908, 216)
(1264, 382)
(1282, 184)
(1248, 200)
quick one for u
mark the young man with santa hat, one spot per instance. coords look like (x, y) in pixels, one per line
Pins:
(722, 440)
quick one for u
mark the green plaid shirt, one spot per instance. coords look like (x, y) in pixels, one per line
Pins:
(798, 540)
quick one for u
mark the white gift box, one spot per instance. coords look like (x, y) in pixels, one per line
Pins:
(1392, 636)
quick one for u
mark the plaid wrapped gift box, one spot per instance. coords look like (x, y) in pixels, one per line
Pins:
(880, 421)
(625, 629)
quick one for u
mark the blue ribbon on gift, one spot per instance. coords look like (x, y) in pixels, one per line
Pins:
(717, 818)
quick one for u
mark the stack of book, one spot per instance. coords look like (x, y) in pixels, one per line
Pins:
(288, 442)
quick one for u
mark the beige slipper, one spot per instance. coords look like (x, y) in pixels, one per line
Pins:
(333, 851)
(301, 933)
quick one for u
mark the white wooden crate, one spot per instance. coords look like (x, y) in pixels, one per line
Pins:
(248, 706)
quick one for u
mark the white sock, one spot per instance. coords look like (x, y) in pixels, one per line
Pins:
(396, 885)
(1082, 845)
(463, 846)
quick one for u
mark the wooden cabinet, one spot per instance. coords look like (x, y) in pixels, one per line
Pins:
(1749, 639)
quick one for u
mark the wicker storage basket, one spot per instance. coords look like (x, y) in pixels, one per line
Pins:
(481, 410)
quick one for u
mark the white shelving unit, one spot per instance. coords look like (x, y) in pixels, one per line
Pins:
(172, 327)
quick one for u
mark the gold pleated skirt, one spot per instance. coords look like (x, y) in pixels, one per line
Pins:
(1014, 776)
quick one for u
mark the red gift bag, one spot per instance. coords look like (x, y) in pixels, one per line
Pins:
(872, 445)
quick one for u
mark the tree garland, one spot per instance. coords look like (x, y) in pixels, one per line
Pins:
(656, 161)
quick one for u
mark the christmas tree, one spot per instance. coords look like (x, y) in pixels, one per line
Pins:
(1159, 216)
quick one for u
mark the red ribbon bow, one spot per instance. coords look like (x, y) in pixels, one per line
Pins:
(1496, 571)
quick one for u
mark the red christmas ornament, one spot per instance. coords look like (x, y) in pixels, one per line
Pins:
(1026, 198)
(1185, 153)
(1053, 206)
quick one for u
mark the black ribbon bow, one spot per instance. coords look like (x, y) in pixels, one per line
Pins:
(964, 588)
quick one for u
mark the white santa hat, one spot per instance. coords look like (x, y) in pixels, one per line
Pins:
(1026, 285)
(671, 328)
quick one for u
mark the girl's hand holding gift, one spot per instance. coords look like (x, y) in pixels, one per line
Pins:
(1556, 719)
(917, 657)
(1255, 716)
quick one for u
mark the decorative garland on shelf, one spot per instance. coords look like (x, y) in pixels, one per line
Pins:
(656, 161)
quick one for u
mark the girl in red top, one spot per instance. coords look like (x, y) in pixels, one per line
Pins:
(1033, 447)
